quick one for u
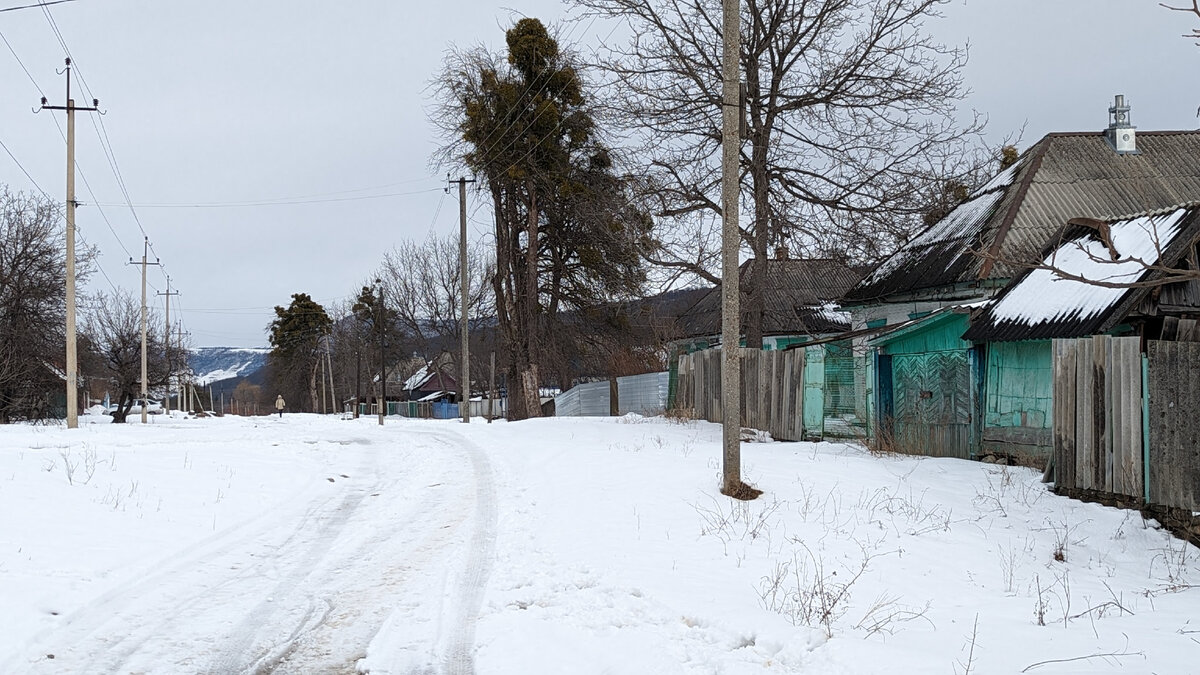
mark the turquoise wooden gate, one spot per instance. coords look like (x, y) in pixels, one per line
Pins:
(932, 400)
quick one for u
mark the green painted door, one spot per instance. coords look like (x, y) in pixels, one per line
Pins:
(932, 399)
(814, 392)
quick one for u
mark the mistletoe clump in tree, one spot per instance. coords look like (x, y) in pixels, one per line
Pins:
(296, 346)
(566, 235)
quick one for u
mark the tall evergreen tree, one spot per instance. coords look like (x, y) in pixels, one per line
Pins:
(565, 235)
(296, 347)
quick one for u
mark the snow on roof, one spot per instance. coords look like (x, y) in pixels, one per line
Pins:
(833, 313)
(962, 223)
(417, 378)
(435, 395)
(1062, 176)
(1045, 296)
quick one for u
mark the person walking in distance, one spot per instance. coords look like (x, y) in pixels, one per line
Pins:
(280, 405)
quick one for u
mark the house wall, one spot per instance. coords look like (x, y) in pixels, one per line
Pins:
(893, 313)
(1018, 399)
(944, 336)
(899, 312)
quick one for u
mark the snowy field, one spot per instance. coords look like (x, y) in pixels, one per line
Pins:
(320, 545)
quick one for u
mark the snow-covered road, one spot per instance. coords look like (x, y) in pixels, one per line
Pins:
(599, 546)
(363, 550)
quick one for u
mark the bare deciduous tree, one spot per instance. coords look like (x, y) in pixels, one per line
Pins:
(851, 124)
(1194, 9)
(422, 289)
(32, 304)
(113, 326)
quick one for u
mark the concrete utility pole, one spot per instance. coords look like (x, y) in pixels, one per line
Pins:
(167, 347)
(731, 242)
(382, 362)
(72, 360)
(464, 384)
(329, 369)
(182, 372)
(145, 251)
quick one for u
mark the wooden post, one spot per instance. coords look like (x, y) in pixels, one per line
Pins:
(492, 387)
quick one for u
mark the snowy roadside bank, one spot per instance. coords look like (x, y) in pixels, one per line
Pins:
(620, 556)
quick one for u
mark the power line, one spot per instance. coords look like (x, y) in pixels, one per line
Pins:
(44, 3)
(245, 204)
(525, 93)
(22, 64)
(106, 147)
(47, 195)
(22, 168)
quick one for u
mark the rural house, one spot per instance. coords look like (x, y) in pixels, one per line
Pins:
(941, 390)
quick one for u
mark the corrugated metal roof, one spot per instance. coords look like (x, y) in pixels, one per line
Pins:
(1041, 304)
(1062, 176)
(795, 293)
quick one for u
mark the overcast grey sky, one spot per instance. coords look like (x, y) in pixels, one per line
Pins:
(325, 103)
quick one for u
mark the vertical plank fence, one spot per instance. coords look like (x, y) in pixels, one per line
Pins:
(1098, 415)
(1174, 382)
(772, 391)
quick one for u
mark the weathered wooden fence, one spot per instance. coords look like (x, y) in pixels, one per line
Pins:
(772, 389)
(1098, 415)
(1174, 383)
(1107, 404)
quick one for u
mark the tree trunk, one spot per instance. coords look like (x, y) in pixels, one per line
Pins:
(312, 387)
(757, 281)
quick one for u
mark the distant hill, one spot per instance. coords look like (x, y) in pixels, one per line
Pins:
(213, 364)
(222, 368)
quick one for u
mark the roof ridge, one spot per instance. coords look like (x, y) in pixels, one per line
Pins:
(1190, 204)
(1037, 153)
(1123, 179)
(1140, 132)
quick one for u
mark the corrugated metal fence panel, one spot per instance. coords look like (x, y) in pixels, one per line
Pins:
(643, 394)
(1174, 432)
(1098, 414)
(589, 399)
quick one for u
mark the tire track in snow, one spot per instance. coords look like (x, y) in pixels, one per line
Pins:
(335, 571)
(477, 567)
(119, 623)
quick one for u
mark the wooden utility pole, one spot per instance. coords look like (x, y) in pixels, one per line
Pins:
(167, 347)
(144, 263)
(731, 456)
(72, 360)
(357, 381)
(464, 385)
(492, 388)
